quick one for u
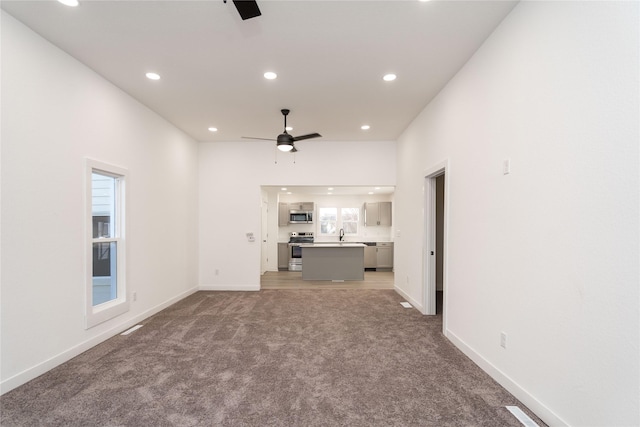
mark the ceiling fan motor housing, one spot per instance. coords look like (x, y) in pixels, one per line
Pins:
(284, 142)
(285, 138)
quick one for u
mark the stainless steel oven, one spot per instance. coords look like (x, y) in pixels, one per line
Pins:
(295, 257)
(295, 251)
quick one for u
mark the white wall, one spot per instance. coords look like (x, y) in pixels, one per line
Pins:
(231, 176)
(549, 253)
(56, 112)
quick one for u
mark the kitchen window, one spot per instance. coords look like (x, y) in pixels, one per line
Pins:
(350, 218)
(106, 295)
(329, 221)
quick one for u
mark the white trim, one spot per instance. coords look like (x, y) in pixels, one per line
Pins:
(406, 296)
(95, 315)
(537, 407)
(429, 245)
(428, 239)
(131, 330)
(43, 367)
(229, 287)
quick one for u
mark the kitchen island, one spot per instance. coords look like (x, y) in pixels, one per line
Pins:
(332, 261)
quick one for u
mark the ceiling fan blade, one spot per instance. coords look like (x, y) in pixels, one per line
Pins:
(308, 136)
(247, 8)
(263, 139)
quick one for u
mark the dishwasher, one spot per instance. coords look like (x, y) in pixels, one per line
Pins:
(370, 256)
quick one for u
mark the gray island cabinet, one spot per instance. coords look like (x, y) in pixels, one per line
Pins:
(333, 261)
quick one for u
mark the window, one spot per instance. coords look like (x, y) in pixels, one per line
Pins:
(105, 288)
(350, 218)
(330, 223)
(328, 220)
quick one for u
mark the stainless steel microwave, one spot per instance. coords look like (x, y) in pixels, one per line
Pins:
(300, 217)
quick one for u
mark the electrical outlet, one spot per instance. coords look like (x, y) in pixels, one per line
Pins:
(217, 272)
(134, 296)
(503, 340)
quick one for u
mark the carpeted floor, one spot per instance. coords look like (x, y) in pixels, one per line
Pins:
(270, 358)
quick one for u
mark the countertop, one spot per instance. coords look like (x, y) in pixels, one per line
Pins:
(333, 245)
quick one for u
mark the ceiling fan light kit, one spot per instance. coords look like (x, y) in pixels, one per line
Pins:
(284, 141)
(284, 146)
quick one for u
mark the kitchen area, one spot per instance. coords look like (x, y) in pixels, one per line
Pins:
(334, 235)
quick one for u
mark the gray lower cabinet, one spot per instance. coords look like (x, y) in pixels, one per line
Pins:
(384, 255)
(333, 262)
(283, 256)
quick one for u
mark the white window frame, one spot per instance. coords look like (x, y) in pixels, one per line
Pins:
(339, 222)
(341, 218)
(319, 220)
(97, 314)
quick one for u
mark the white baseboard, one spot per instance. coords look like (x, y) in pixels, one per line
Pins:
(406, 296)
(545, 414)
(43, 367)
(229, 288)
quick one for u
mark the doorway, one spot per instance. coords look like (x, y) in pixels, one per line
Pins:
(264, 238)
(440, 183)
(435, 241)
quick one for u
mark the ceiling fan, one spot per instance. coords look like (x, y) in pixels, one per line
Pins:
(284, 142)
(247, 8)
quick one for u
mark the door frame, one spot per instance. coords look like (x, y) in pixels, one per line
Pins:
(264, 237)
(429, 239)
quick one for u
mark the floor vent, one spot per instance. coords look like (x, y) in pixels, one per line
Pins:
(128, 331)
(522, 417)
(405, 304)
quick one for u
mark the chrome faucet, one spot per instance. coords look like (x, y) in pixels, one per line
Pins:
(341, 234)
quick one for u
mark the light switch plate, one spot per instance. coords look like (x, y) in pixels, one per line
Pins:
(506, 167)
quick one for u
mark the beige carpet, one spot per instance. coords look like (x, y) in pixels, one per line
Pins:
(270, 358)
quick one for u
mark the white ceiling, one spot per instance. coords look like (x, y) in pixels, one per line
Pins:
(330, 57)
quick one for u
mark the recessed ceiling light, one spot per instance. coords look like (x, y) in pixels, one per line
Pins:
(283, 189)
(365, 127)
(153, 76)
(270, 75)
(330, 188)
(72, 3)
(212, 129)
(377, 188)
(330, 193)
(288, 192)
(389, 77)
(370, 192)
(288, 128)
